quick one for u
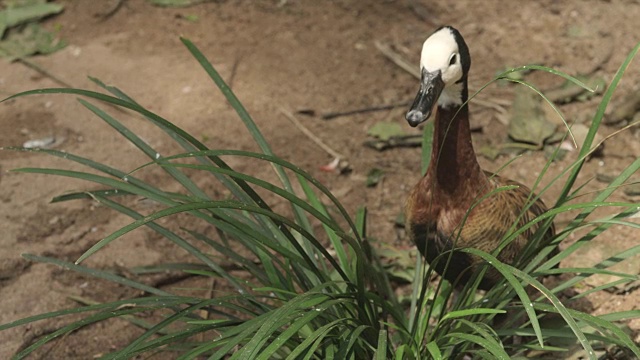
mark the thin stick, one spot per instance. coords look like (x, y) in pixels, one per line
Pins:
(397, 59)
(44, 72)
(204, 312)
(423, 13)
(234, 70)
(113, 10)
(232, 76)
(310, 135)
(333, 115)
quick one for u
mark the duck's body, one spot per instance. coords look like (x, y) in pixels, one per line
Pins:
(451, 207)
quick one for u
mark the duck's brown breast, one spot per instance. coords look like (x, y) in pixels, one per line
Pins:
(438, 223)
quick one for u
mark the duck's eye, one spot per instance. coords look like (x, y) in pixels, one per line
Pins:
(453, 59)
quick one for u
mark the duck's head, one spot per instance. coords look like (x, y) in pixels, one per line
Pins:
(444, 65)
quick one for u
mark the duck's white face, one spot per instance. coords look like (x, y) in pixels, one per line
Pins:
(440, 52)
(442, 71)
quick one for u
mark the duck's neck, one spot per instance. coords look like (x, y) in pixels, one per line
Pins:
(454, 168)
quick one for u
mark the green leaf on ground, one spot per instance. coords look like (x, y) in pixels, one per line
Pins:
(21, 12)
(34, 39)
(384, 130)
(374, 176)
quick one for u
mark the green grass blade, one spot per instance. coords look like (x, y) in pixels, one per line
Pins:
(619, 336)
(434, 350)
(317, 204)
(303, 204)
(186, 144)
(118, 174)
(545, 69)
(470, 312)
(381, 350)
(242, 191)
(348, 346)
(313, 341)
(171, 236)
(270, 158)
(508, 273)
(145, 302)
(227, 204)
(271, 322)
(146, 149)
(101, 316)
(130, 349)
(247, 120)
(595, 123)
(492, 346)
(295, 327)
(560, 308)
(97, 274)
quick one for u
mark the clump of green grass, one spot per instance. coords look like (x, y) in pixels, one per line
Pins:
(313, 294)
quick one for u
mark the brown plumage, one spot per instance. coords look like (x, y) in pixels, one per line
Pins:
(450, 206)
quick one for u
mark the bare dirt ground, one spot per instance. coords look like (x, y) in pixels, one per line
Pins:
(276, 54)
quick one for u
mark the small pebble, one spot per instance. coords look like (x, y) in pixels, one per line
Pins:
(39, 143)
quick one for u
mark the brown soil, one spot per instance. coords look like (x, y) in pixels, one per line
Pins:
(276, 54)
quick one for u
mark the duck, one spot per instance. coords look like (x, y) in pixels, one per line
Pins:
(452, 206)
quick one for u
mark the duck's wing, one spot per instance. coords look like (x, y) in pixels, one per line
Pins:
(521, 209)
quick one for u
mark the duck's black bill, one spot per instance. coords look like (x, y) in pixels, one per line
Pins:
(431, 86)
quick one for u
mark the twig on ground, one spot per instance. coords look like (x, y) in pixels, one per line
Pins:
(423, 13)
(397, 59)
(170, 279)
(234, 70)
(336, 114)
(205, 313)
(112, 11)
(310, 135)
(34, 334)
(44, 72)
(47, 354)
(603, 56)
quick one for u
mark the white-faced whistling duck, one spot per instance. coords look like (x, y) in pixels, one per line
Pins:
(446, 209)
